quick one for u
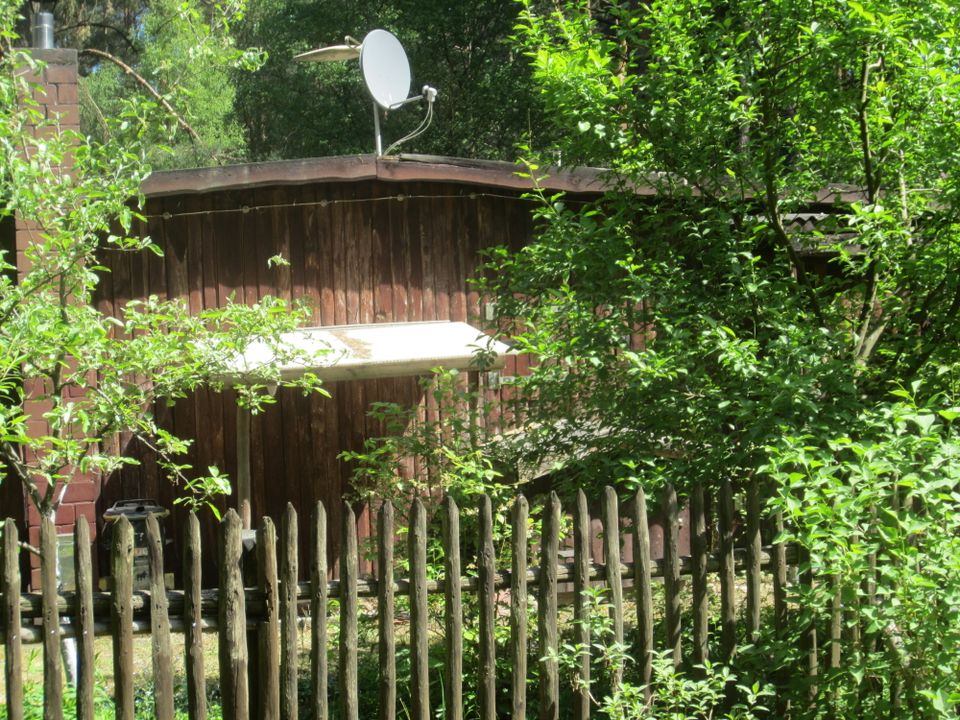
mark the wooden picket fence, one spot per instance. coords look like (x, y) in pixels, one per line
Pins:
(269, 612)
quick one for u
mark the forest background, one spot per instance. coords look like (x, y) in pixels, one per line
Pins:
(228, 70)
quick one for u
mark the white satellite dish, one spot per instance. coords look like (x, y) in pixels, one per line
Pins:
(385, 68)
(386, 73)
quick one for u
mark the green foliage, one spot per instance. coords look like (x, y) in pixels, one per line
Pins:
(695, 324)
(685, 329)
(879, 515)
(185, 51)
(705, 691)
(91, 378)
(437, 450)
(677, 695)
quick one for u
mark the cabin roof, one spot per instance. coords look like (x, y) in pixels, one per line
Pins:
(423, 168)
(352, 168)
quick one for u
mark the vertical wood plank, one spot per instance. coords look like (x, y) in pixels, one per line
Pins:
(728, 602)
(318, 614)
(289, 578)
(83, 618)
(233, 622)
(385, 605)
(192, 614)
(419, 661)
(452, 611)
(644, 591)
(753, 560)
(581, 619)
(547, 611)
(486, 591)
(159, 625)
(611, 552)
(349, 706)
(671, 574)
(701, 600)
(268, 629)
(52, 672)
(13, 651)
(121, 611)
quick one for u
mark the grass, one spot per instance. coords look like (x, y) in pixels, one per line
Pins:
(103, 669)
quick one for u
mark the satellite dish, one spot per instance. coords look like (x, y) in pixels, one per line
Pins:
(385, 68)
(327, 54)
(386, 73)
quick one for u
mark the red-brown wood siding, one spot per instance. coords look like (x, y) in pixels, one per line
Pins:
(361, 252)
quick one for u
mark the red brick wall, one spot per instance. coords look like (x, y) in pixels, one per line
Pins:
(58, 102)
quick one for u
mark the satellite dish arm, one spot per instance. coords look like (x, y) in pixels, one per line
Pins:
(428, 93)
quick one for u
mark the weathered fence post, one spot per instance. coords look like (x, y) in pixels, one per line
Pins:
(318, 613)
(809, 637)
(753, 560)
(452, 611)
(701, 600)
(13, 653)
(671, 573)
(486, 591)
(419, 661)
(52, 677)
(387, 644)
(233, 622)
(547, 611)
(268, 629)
(349, 704)
(728, 602)
(83, 618)
(779, 575)
(518, 607)
(288, 616)
(192, 622)
(611, 552)
(159, 625)
(581, 584)
(122, 616)
(644, 591)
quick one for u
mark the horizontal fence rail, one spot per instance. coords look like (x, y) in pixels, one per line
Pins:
(257, 619)
(31, 604)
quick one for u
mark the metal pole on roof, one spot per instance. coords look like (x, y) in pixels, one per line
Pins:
(243, 465)
(376, 129)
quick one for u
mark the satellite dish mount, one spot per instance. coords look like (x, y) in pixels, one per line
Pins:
(386, 73)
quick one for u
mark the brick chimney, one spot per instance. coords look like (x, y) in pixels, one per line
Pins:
(58, 101)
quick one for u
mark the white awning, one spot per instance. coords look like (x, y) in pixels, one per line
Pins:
(357, 352)
(381, 350)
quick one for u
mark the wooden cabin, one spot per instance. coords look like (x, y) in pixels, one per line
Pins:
(370, 241)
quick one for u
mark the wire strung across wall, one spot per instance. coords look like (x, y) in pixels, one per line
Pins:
(246, 209)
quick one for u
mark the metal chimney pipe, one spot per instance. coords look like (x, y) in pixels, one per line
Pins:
(41, 30)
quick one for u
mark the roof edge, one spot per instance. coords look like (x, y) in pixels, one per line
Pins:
(353, 168)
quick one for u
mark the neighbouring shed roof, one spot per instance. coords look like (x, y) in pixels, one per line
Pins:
(379, 350)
